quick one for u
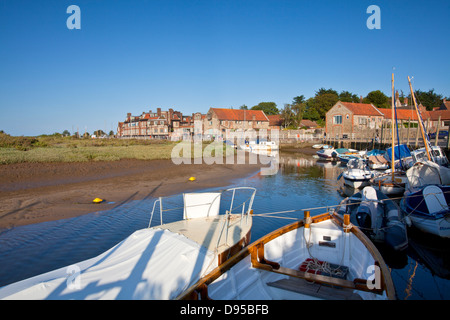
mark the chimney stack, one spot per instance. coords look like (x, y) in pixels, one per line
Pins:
(360, 99)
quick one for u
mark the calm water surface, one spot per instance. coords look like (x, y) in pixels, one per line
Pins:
(302, 182)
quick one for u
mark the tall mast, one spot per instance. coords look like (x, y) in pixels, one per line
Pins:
(419, 120)
(393, 131)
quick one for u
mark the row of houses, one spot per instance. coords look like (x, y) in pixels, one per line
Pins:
(347, 119)
(174, 125)
(344, 119)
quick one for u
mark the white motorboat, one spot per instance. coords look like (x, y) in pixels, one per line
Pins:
(320, 257)
(155, 262)
(437, 155)
(358, 174)
(259, 146)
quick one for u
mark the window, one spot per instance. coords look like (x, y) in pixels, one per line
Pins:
(362, 121)
(337, 119)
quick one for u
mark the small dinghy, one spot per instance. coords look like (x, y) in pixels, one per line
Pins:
(155, 263)
(320, 257)
(379, 217)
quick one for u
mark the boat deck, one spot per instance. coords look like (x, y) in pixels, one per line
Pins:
(211, 233)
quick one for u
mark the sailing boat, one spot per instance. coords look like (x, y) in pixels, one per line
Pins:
(392, 183)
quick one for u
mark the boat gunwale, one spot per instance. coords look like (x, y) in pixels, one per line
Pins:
(201, 285)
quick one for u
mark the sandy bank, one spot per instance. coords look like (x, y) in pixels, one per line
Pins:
(37, 192)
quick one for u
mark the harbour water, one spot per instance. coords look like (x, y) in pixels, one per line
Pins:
(302, 182)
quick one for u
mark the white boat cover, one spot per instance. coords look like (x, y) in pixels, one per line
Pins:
(427, 172)
(149, 264)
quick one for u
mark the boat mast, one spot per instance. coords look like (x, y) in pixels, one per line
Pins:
(393, 131)
(419, 120)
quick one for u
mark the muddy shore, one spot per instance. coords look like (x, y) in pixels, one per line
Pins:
(37, 192)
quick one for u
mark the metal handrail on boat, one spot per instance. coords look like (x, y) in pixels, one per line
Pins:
(226, 221)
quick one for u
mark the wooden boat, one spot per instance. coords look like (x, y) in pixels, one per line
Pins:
(320, 257)
(379, 217)
(155, 262)
(389, 184)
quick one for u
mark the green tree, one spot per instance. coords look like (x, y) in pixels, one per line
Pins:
(346, 96)
(429, 99)
(243, 107)
(299, 99)
(111, 133)
(66, 133)
(378, 99)
(269, 108)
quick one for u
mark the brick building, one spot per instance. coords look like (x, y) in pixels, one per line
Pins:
(348, 118)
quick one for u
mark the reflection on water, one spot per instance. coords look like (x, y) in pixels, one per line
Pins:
(302, 182)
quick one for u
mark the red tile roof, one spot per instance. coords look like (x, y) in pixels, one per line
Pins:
(363, 109)
(308, 123)
(402, 114)
(275, 120)
(240, 115)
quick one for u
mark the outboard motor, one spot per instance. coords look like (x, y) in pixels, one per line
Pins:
(364, 218)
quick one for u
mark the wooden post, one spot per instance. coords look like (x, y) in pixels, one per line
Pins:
(437, 131)
(307, 218)
(407, 132)
(346, 223)
(448, 138)
(417, 136)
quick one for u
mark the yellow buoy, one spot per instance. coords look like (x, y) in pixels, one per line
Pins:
(97, 200)
(192, 179)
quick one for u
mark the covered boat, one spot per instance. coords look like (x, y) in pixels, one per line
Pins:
(155, 262)
(379, 217)
(426, 200)
(320, 257)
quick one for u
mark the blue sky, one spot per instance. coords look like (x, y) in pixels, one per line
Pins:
(190, 55)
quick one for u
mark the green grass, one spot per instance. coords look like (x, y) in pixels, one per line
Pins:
(68, 149)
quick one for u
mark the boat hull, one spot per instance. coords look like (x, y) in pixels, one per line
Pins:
(435, 222)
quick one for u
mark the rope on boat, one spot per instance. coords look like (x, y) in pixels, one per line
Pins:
(403, 219)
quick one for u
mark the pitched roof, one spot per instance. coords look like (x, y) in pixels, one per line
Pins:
(239, 115)
(309, 123)
(275, 120)
(362, 109)
(402, 114)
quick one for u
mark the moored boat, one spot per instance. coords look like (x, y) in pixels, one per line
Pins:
(428, 209)
(426, 199)
(392, 185)
(358, 174)
(320, 257)
(378, 216)
(157, 262)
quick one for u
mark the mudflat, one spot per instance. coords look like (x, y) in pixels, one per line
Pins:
(37, 192)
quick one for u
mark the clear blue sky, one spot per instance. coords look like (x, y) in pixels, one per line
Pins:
(190, 55)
